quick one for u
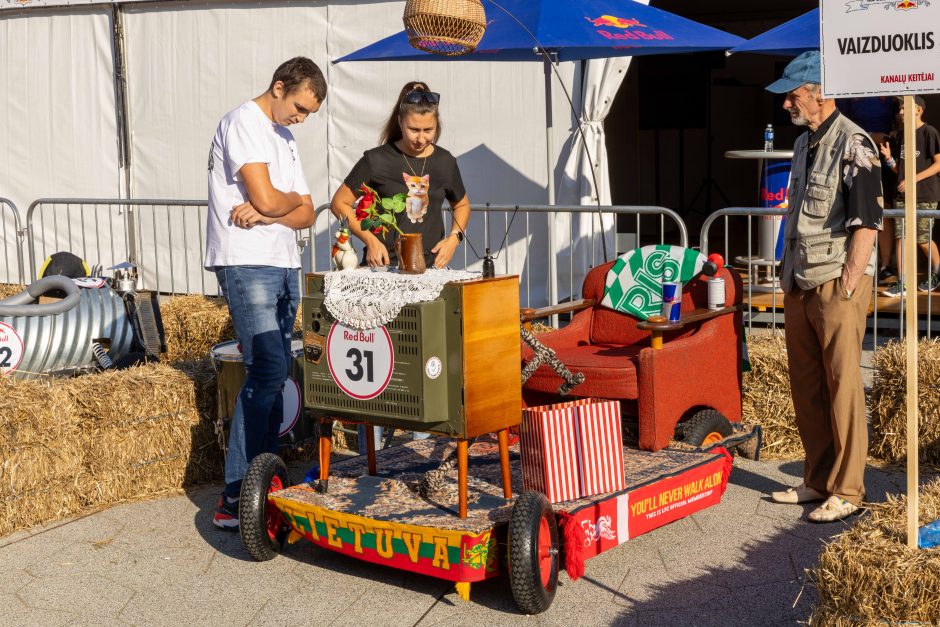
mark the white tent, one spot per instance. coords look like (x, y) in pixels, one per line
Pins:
(188, 63)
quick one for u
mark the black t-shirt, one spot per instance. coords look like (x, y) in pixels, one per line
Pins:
(928, 145)
(426, 180)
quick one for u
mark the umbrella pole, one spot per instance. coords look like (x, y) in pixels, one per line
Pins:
(549, 152)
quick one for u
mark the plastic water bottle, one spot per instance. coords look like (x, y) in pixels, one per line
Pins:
(769, 138)
(928, 536)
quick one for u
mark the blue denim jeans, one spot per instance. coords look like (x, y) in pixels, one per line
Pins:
(262, 301)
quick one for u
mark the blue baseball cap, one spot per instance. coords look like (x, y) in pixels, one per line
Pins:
(801, 70)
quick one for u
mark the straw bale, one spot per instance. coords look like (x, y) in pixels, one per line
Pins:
(888, 401)
(766, 397)
(193, 325)
(142, 432)
(40, 453)
(70, 444)
(867, 575)
(8, 289)
(538, 328)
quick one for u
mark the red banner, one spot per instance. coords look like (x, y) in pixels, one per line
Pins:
(619, 518)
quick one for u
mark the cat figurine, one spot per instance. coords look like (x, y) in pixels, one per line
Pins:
(416, 205)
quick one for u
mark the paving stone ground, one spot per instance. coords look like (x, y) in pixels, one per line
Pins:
(162, 562)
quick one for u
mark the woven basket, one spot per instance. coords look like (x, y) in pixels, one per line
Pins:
(445, 27)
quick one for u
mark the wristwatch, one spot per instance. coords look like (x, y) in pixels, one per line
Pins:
(459, 235)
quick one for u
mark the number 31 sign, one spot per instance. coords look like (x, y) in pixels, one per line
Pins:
(361, 362)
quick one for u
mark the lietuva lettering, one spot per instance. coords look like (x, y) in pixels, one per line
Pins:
(359, 336)
(900, 42)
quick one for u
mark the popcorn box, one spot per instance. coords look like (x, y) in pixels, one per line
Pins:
(572, 450)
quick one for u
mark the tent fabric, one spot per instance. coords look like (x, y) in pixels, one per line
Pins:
(187, 64)
(58, 128)
(790, 38)
(601, 82)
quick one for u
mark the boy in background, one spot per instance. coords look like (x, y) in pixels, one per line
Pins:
(927, 166)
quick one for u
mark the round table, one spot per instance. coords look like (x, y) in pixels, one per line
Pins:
(773, 168)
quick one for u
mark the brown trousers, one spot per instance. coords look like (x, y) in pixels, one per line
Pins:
(824, 332)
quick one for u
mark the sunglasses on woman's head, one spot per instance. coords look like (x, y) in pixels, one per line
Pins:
(416, 96)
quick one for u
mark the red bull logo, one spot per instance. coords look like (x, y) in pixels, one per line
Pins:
(904, 5)
(628, 28)
(769, 197)
(615, 22)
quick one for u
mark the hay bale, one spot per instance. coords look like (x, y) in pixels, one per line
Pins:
(8, 289)
(766, 397)
(193, 325)
(70, 444)
(143, 433)
(888, 402)
(868, 576)
(41, 456)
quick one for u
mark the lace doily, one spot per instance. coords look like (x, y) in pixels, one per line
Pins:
(364, 299)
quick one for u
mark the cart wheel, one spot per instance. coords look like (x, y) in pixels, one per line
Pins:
(260, 523)
(706, 427)
(533, 552)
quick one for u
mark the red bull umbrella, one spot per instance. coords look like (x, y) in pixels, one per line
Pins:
(570, 30)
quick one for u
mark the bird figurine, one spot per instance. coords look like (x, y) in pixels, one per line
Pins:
(344, 256)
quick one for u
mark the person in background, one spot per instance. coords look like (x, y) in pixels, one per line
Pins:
(258, 197)
(879, 117)
(408, 160)
(927, 166)
(836, 211)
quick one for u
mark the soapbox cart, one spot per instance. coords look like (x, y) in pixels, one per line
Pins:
(444, 506)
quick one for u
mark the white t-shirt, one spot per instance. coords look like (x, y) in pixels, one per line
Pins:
(246, 135)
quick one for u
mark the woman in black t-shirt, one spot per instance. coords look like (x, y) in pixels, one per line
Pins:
(409, 161)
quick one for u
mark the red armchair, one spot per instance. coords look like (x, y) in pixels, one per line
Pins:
(698, 366)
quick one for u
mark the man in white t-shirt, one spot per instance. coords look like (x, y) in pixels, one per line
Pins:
(258, 197)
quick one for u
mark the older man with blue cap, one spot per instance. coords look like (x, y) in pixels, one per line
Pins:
(836, 208)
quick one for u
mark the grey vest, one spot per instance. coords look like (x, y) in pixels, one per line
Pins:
(816, 240)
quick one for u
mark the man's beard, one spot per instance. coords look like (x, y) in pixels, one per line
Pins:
(798, 119)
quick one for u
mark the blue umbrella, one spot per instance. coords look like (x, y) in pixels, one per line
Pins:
(569, 30)
(790, 38)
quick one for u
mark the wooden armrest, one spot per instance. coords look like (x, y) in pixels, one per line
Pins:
(689, 317)
(527, 314)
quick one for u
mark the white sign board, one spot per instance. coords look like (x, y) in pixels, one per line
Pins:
(879, 47)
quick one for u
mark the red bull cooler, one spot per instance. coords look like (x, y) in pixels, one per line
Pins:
(672, 301)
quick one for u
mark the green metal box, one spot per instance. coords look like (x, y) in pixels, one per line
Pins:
(424, 387)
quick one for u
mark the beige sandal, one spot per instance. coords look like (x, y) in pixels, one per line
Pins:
(835, 508)
(800, 494)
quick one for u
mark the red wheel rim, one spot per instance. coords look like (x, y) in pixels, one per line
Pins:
(545, 552)
(272, 516)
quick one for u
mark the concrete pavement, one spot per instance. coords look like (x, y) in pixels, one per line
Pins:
(161, 562)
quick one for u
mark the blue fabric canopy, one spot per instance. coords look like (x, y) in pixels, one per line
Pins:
(790, 38)
(570, 29)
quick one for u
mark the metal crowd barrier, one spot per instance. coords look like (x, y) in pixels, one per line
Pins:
(773, 300)
(164, 238)
(12, 242)
(490, 225)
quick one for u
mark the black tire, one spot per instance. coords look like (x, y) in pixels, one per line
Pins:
(261, 525)
(705, 427)
(533, 552)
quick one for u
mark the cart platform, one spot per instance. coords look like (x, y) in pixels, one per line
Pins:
(383, 519)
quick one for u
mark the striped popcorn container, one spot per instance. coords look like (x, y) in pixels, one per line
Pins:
(572, 450)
